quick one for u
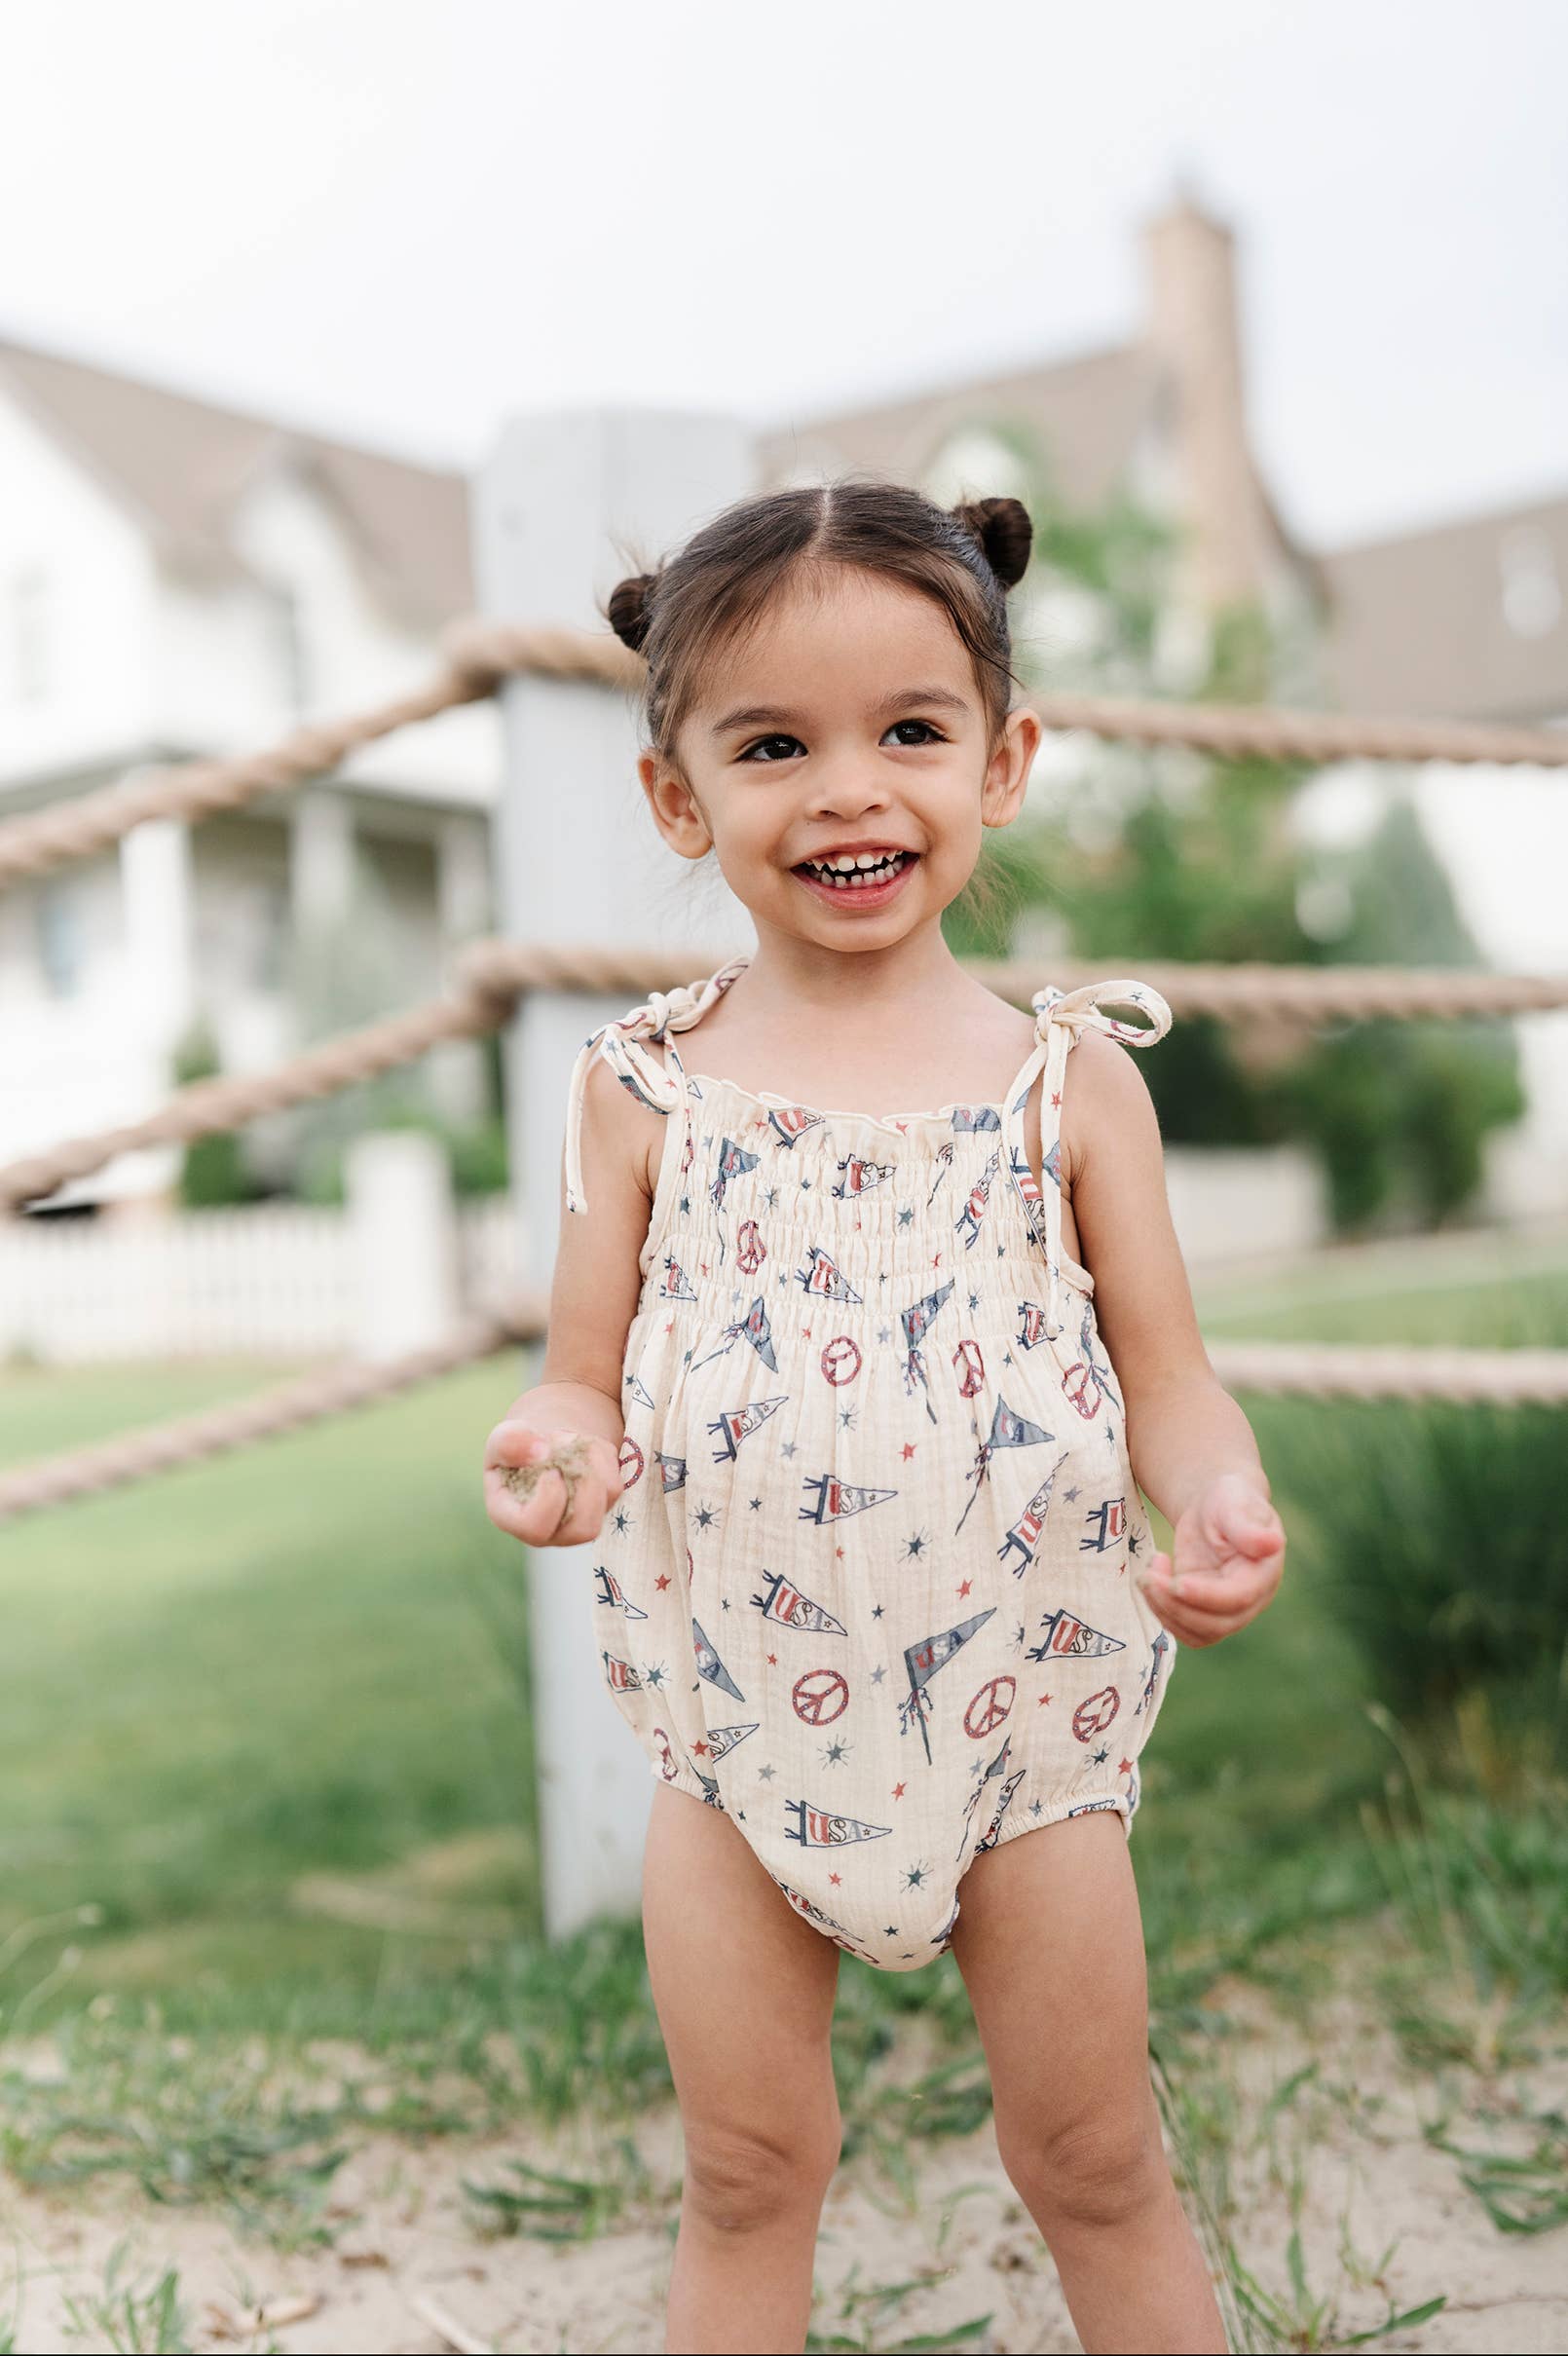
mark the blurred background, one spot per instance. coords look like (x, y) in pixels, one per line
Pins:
(1263, 312)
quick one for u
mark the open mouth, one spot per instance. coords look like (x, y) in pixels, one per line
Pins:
(857, 878)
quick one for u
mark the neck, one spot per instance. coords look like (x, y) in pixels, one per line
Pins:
(899, 979)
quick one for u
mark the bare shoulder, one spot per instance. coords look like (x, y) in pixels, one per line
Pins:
(621, 1134)
(1107, 1108)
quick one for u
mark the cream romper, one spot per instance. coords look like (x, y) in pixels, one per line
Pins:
(868, 1586)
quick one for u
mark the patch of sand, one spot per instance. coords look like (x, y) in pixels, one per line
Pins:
(1384, 2217)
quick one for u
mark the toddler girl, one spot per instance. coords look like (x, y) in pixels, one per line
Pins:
(857, 1435)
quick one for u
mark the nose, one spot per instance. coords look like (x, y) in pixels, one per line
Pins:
(847, 790)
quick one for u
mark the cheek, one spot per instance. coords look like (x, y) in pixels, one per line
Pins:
(747, 837)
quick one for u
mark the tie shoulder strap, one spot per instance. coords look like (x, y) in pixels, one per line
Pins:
(1061, 1017)
(1083, 1008)
(619, 1044)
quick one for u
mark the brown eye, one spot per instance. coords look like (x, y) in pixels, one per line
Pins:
(761, 741)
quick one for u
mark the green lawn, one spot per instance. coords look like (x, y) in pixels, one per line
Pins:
(267, 1712)
(298, 1660)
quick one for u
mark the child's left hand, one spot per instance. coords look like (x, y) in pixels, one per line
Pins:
(1229, 1557)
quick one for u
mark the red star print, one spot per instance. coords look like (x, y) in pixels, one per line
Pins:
(967, 1585)
(1044, 1698)
(1055, 1099)
(908, 1450)
(1121, 1570)
(805, 1332)
(701, 1749)
(839, 1554)
(670, 1328)
(836, 1877)
(898, 1791)
(1126, 1767)
(773, 1660)
(704, 1265)
(936, 1259)
(664, 1579)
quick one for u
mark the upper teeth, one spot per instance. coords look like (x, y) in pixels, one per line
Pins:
(850, 861)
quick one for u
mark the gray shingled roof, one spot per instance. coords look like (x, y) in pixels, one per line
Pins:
(1086, 413)
(181, 465)
(1421, 625)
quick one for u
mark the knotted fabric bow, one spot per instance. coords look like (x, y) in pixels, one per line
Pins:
(618, 1043)
(1060, 1014)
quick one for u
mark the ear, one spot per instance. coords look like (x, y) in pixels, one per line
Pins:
(677, 812)
(1007, 775)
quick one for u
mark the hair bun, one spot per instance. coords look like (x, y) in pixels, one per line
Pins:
(628, 612)
(1004, 532)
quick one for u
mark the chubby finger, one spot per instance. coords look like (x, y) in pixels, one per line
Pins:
(516, 1443)
(1240, 1587)
(1255, 1538)
(1189, 1627)
(1200, 1618)
(528, 1515)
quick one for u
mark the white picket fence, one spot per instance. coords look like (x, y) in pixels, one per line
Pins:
(284, 1281)
(276, 1279)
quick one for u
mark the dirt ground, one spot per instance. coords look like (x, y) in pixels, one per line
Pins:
(1386, 2223)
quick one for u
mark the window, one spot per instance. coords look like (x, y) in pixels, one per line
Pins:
(974, 462)
(62, 937)
(293, 660)
(1532, 595)
(27, 628)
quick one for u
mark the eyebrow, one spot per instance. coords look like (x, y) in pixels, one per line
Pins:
(767, 714)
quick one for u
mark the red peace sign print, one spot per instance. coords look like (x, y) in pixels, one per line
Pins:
(990, 1707)
(751, 1249)
(1092, 1717)
(1082, 1386)
(631, 1462)
(841, 1359)
(820, 1696)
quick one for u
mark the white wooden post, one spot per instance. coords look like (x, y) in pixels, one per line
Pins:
(579, 860)
(403, 1229)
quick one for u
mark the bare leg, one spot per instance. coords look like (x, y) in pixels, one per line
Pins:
(745, 1991)
(1050, 1942)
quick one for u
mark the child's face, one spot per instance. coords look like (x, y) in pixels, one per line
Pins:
(849, 722)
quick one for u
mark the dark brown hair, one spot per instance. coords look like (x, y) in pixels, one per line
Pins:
(683, 615)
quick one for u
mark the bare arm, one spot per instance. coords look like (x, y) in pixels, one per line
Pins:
(1191, 1447)
(573, 1412)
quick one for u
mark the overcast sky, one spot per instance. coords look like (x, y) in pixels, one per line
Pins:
(395, 219)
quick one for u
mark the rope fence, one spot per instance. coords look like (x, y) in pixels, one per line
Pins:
(479, 657)
(1303, 1369)
(491, 975)
(490, 978)
(329, 1391)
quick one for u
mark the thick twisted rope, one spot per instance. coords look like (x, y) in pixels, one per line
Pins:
(1387, 1370)
(286, 1407)
(491, 975)
(478, 658)
(481, 657)
(1306, 1370)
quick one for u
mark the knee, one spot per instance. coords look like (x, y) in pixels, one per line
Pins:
(740, 2181)
(1092, 2172)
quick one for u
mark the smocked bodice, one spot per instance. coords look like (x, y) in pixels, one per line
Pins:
(770, 1195)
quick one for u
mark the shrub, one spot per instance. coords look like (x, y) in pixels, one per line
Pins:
(1438, 1533)
(212, 1172)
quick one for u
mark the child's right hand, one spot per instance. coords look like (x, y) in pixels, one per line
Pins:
(549, 1488)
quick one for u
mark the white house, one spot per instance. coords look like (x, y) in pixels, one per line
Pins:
(178, 578)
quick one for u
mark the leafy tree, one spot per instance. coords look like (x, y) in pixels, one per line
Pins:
(1164, 853)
